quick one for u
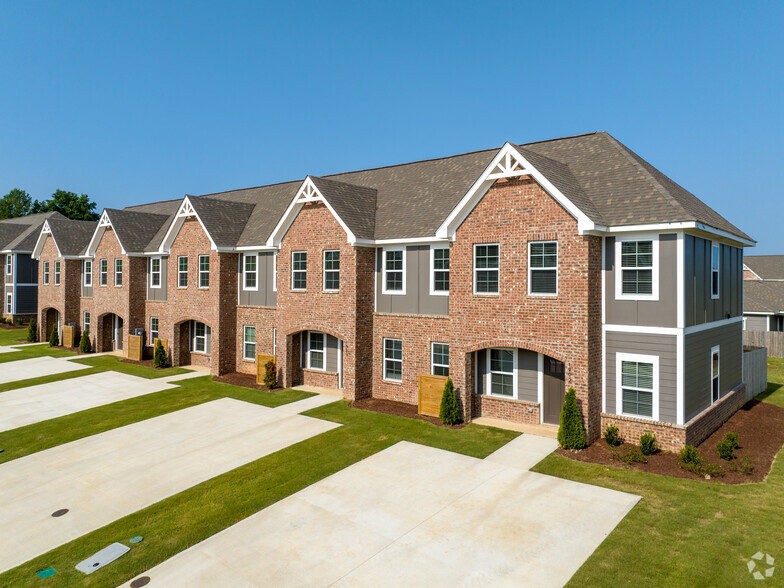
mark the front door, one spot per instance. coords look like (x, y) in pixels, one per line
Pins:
(554, 389)
(117, 333)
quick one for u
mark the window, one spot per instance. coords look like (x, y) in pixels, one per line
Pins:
(394, 271)
(715, 261)
(88, 273)
(9, 303)
(637, 382)
(715, 368)
(86, 321)
(637, 278)
(543, 268)
(182, 271)
(155, 272)
(439, 363)
(332, 270)
(393, 360)
(299, 270)
(439, 276)
(204, 271)
(153, 329)
(250, 272)
(316, 350)
(274, 341)
(104, 272)
(118, 272)
(46, 273)
(200, 337)
(249, 344)
(501, 370)
(486, 264)
(9, 264)
(56, 273)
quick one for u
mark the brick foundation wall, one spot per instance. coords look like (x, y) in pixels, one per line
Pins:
(517, 411)
(318, 378)
(704, 424)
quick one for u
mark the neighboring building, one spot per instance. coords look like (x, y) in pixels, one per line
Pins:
(763, 293)
(19, 279)
(517, 271)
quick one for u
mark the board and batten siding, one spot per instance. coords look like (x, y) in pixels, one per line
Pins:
(527, 374)
(26, 299)
(264, 295)
(699, 307)
(26, 269)
(698, 365)
(651, 313)
(158, 294)
(417, 299)
(665, 348)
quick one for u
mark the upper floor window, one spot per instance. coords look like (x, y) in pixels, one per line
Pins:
(104, 279)
(56, 273)
(332, 271)
(316, 350)
(9, 264)
(543, 268)
(299, 270)
(88, 273)
(715, 264)
(486, 268)
(250, 272)
(155, 272)
(637, 385)
(46, 273)
(394, 271)
(204, 271)
(118, 272)
(715, 365)
(439, 361)
(182, 271)
(637, 274)
(439, 275)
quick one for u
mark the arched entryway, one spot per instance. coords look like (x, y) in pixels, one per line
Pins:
(50, 319)
(110, 333)
(192, 343)
(317, 359)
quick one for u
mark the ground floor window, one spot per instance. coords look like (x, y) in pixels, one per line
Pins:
(249, 343)
(9, 303)
(501, 371)
(393, 360)
(439, 362)
(201, 334)
(275, 341)
(153, 329)
(715, 391)
(316, 350)
(86, 321)
(637, 388)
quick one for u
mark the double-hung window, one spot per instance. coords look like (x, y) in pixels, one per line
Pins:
(715, 264)
(250, 276)
(299, 270)
(118, 272)
(182, 271)
(86, 320)
(204, 271)
(104, 279)
(393, 360)
(543, 268)
(249, 343)
(199, 337)
(332, 271)
(88, 273)
(316, 350)
(439, 276)
(9, 303)
(486, 268)
(439, 363)
(637, 269)
(9, 264)
(637, 381)
(715, 368)
(394, 271)
(153, 329)
(56, 273)
(501, 372)
(46, 273)
(155, 272)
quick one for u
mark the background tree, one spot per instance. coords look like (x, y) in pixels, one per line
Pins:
(69, 204)
(16, 203)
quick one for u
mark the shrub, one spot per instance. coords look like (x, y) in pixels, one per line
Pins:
(159, 356)
(84, 344)
(571, 434)
(690, 460)
(2, 320)
(727, 446)
(712, 470)
(629, 455)
(19, 322)
(744, 465)
(648, 444)
(612, 436)
(270, 374)
(32, 332)
(54, 338)
(449, 413)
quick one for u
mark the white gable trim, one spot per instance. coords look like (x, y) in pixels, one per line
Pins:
(46, 231)
(507, 163)
(308, 192)
(103, 223)
(185, 211)
(747, 268)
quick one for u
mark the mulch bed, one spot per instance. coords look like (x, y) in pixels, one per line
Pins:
(144, 362)
(244, 380)
(760, 426)
(398, 409)
(14, 326)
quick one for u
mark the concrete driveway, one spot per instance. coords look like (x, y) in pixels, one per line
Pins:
(107, 476)
(11, 371)
(413, 516)
(25, 406)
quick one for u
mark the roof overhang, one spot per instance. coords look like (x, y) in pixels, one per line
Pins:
(46, 231)
(103, 224)
(185, 211)
(693, 227)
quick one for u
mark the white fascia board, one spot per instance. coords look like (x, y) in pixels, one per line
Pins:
(186, 210)
(408, 241)
(103, 224)
(252, 248)
(747, 268)
(46, 231)
(758, 313)
(685, 225)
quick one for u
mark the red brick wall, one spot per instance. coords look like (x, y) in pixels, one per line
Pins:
(65, 297)
(264, 319)
(518, 411)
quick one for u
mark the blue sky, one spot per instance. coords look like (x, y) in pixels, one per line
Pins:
(132, 102)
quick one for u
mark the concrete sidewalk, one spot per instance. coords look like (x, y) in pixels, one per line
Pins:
(23, 369)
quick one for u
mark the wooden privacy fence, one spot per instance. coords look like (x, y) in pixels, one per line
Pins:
(755, 371)
(261, 361)
(431, 388)
(69, 336)
(135, 347)
(772, 340)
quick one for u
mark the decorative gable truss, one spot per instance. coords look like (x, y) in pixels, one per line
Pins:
(46, 232)
(103, 223)
(185, 211)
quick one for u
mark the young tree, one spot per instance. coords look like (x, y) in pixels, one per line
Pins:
(571, 434)
(159, 357)
(32, 332)
(84, 345)
(54, 338)
(449, 413)
(16, 203)
(270, 374)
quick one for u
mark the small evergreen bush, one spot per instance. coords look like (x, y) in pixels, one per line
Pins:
(727, 446)
(648, 444)
(54, 338)
(32, 332)
(84, 344)
(690, 460)
(629, 454)
(612, 436)
(2, 320)
(159, 356)
(571, 434)
(449, 413)
(270, 374)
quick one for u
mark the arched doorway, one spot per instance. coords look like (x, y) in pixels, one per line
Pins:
(111, 330)
(51, 318)
(318, 359)
(192, 343)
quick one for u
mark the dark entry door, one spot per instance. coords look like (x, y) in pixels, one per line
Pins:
(554, 389)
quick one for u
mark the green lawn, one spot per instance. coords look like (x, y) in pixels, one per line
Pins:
(13, 336)
(31, 351)
(685, 532)
(176, 523)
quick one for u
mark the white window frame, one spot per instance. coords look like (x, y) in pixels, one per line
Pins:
(476, 270)
(195, 338)
(384, 272)
(275, 341)
(531, 270)
(116, 273)
(433, 270)
(489, 372)
(654, 295)
(9, 303)
(275, 272)
(715, 350)
(154, 333)
(385, 359)
(246, 273)
(295, 272)
(103, 273)
(9, 264)
(715, 246)
(324, 265)
(322, 351)
(46, 273)
(56, 273)
(433, 364)
(207, 273)
(245, 342)
(88, 273)
(637, 358)
(181, 273)
(153, 273)
(86, 320)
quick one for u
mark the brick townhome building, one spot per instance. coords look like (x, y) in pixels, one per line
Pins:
(518, 271)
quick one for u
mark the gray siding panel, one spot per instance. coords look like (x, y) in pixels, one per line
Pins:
(756, 323)
(332, 354)
(417, 299)
(698, 369)
(699, 307)
(528, 375)
(481, 362)
(663, 346)
(161, 293)
(26, 299)
(265, 295)
(26, 269)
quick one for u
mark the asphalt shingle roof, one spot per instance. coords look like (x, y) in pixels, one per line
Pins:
(136, 229)
(354, 204)
(767, 267)
(761, 296)
(72, 236)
